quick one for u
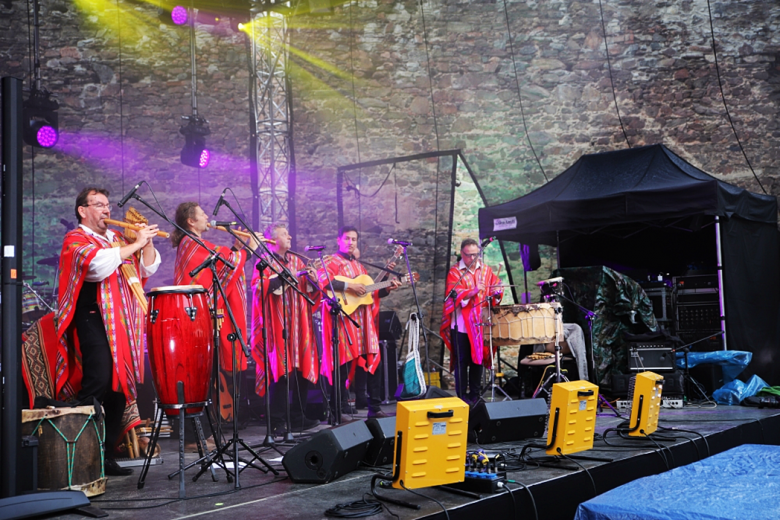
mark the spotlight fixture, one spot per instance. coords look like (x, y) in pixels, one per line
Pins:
(179, 15)
(195, 153)
(41, 123)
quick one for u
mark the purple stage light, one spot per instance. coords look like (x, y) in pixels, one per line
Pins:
(179, 15)
(46, 136)
(205, 156)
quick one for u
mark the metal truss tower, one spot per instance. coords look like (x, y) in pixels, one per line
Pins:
(273, 171)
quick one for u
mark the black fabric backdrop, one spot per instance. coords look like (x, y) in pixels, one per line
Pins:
(647, 210)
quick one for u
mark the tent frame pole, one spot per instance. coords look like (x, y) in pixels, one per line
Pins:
(721, 295)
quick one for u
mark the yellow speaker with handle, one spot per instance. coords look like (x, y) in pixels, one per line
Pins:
(645, 390)
(430, 444)
(572, 423)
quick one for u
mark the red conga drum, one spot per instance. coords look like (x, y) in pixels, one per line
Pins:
(180, 343)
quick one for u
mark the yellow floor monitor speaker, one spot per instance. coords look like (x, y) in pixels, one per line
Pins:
(572, 417)
(644, 390)
(430, 445)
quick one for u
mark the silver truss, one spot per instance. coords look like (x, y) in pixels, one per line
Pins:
(270, 44)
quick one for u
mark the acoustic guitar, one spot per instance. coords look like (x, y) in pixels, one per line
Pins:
(350, 302)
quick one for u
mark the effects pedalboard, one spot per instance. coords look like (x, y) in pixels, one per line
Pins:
(667, 401)
(485, 473)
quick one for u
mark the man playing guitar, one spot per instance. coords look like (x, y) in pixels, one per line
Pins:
(354, 343)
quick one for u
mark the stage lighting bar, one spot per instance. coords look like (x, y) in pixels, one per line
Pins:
(41, 123)
(195, 153)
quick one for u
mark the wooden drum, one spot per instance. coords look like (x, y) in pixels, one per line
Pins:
(69, 448)
(180, 344)
(527, 324)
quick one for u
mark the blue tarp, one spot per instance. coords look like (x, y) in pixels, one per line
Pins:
(732, 361)
(741, 483)
(736, 391)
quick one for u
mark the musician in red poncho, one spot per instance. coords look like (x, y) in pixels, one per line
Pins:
(364, 344)
(100, 318)
(277, 308)
(189, 255)
(460, 324)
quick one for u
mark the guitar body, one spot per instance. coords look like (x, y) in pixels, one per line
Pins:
(225, 397)
(350, 302)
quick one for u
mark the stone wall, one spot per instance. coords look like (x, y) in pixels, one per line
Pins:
(395, 80)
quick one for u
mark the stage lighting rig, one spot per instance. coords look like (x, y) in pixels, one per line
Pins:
(195, 153)
(41, 123)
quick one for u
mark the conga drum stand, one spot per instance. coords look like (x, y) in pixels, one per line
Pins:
(201, 441)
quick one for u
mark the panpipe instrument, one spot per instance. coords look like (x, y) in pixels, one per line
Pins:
(132, 227)
(245, 235)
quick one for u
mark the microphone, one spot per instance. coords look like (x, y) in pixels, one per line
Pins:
(219, 203)
(314, 248)
(487, 241)
(222, 223)
(395, 242)
(130, 195)
(551, 280)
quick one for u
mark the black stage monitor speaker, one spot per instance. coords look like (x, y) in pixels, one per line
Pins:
(328, 454)
(434, 392)
(380, 449)
(503, 421)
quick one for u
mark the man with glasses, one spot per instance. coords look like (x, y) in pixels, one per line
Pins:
(471, 286)
(99, 319)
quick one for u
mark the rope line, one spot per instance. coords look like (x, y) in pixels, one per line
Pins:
(723, 97)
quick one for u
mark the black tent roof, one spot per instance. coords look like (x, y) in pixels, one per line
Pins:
(626, 186)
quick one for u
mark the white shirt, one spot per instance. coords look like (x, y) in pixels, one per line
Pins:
(458, 321)
(106, 261)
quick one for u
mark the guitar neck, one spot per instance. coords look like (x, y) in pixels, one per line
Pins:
(378, 286)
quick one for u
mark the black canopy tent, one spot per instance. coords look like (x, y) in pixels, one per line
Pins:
(648, 208)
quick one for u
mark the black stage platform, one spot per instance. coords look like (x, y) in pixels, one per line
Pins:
(556, 491)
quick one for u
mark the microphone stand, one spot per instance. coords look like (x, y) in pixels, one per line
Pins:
(336, 313)
(690, 381)
(211, 263)
(235, 441)
(489, 302)
(288, 278)
(261, 265)
(420, 315)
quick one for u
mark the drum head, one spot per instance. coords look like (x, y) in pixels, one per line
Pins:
(177, 289)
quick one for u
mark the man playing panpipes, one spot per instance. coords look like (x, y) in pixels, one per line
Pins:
(100, 315)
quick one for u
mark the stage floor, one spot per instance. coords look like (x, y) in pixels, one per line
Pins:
(556, 491)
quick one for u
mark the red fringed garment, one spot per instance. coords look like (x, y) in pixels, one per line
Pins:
(190, 255)
(301, 345)
(472, 311)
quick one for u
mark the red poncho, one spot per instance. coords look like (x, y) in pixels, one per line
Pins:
(472, 311)
(190, 255)
(365, 341)
(122, 315)
(301, 345)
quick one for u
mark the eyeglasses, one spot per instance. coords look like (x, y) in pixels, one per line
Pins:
(99, 205)
(470, 255)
